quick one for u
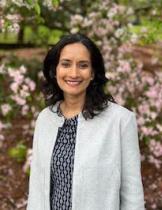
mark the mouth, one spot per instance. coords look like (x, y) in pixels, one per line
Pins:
(73, 83)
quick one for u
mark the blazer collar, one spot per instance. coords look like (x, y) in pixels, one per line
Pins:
(59, 116)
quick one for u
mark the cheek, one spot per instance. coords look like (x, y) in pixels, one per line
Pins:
(88, 75)
(59, 73)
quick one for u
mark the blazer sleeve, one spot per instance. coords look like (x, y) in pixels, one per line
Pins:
(131, 192)
(35, 189)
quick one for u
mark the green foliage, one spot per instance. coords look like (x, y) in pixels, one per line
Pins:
(42, 35)
(29, 2)
(18, 152)
(141, 3)
(149, 32)
(55, 3)
(37, 8)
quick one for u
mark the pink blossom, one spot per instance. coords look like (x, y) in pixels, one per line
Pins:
(25, 109)
(124, 66)
(141, 120)
(124, 49)
(158, 105)
(15, 27)
(119, 99)
(25, 87)
(150, 80)
(119, 32)
(18, 78)
(30, 83)
(156, 148)
(143, 108)
(112, 12)
(155, 161)
(14, 87)
(17, 75)
(6, 108)
(2, 137)
(142, 157)
(153, 115)
(154, 206)
(24, 94)
(20, 101)
(23, 69)
(100, 31)
(159, 127)
(11, 72)
(147, 131)
(152, 93)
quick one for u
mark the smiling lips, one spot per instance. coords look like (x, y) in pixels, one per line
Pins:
(73, 83)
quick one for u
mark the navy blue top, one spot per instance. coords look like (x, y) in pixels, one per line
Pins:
(62, 163)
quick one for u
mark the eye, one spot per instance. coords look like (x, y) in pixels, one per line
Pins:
(83, 65)
(65, 64)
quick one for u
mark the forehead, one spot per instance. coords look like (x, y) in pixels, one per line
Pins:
(75, 51)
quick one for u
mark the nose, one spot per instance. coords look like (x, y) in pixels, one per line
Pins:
(74, 71)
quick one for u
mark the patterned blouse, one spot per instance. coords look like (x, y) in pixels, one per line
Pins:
(62, 163)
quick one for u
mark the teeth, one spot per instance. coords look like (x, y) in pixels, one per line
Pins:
(73, 82)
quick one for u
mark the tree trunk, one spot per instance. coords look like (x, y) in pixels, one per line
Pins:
(20, 37)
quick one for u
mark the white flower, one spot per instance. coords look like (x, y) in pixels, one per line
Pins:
(40, 75)
(76, 19)
(15, 27)
(119, 32)
(6, 108)
(25, 109)
(23, 69)
(2, 69)
(74, 30)
(112, 12)
(134, 38)
(2, 137)
(130, 11)
(154, 12)
(154, 60)
(3, 3)
(144, 30)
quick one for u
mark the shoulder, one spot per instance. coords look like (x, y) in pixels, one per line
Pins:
(116, 111)
(47, 114)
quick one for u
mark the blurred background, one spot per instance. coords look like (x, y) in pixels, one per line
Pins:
(129, 35)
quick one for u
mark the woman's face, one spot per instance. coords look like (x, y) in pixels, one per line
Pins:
(74, 70)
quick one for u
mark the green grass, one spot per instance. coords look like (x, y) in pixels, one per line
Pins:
(153, 28)
(8, 38)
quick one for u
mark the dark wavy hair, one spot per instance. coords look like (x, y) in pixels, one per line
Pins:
(96, 99)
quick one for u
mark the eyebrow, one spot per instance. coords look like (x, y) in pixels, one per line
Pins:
(81, 61)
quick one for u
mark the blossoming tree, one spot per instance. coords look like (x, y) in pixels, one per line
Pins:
(107, 23)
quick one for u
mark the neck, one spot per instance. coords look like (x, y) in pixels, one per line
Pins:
(72, 105)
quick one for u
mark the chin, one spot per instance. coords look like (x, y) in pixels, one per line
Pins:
(74, 93)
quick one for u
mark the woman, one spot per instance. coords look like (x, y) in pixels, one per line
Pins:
(85, 150)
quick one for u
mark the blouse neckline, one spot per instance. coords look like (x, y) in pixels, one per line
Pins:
(59, 112)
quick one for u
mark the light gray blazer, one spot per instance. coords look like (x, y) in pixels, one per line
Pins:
(107, 167)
